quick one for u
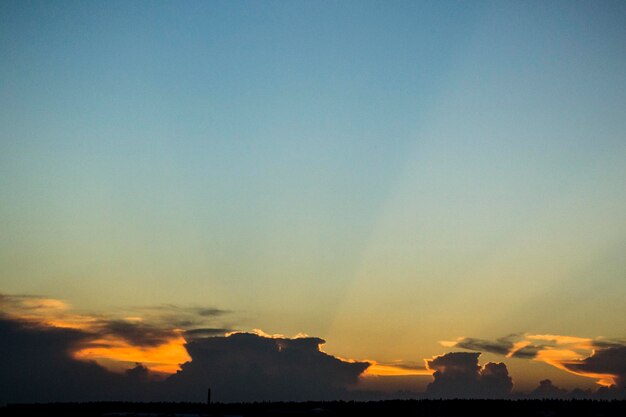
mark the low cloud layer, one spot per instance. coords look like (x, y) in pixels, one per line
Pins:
(49, 353)
(249, 366)
(153, 336)
(458, 375)
(37, 366)
(547, 389)
(601, 359)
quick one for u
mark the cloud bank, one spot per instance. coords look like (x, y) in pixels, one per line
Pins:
(458, 375)
(252, 367)
(48, 353)
(601, 359)
(37, 366)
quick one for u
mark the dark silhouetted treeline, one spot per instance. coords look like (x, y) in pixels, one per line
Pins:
(418, 408)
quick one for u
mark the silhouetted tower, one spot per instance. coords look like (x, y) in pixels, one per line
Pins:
(208, 400)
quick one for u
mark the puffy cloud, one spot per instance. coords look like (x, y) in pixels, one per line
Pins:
(495, 380)
(37, 365)
(458, 375)
(547, 389)
(253, 367)
(48, 353)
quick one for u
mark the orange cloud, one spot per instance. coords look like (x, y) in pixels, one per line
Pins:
(107, 349)
(118, 354)
(119, 343)
(560, 358)
(579, 342)
(380, 369)
(517, 346)
(561, 351)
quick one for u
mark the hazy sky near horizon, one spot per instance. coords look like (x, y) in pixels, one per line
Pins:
(382, 175)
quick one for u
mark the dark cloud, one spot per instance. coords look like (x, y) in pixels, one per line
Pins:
(547, 389)
(37, 362)
(501, 346)
(609, 343)
(135, 333)
(250, 367)
(196, 311)
(15, 300)
(205, 332)
(495, 381)
(610, 393)
(527, 352)
(210, 312)
(606, 363)
(506, 346)
(609, 361)
(458, 375)
(175, 316)
(37, 366)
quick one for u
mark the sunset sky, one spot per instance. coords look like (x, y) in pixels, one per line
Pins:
(400, 179)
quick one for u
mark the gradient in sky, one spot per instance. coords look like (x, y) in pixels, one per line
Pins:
(383, 175)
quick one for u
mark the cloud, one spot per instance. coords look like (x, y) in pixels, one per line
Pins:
(49, 353)
(205, 332)
(501, 346)
(253, 367)
(602, 359)
(526, 352)
(458, 375)
(210, 312)
(30, 303)
(136, 333)
(608, 343)
(514, 345)
(397, 368)
(183, 317)
(547, 389)
(37, 365)
(150, 335)
(40, 364)
(605, 363)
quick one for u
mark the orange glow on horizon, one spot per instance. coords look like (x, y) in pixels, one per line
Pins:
(115, 353)
(379, 369)
(109, 351)
(164, 358)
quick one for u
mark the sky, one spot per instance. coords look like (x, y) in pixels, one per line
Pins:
(398, 179)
